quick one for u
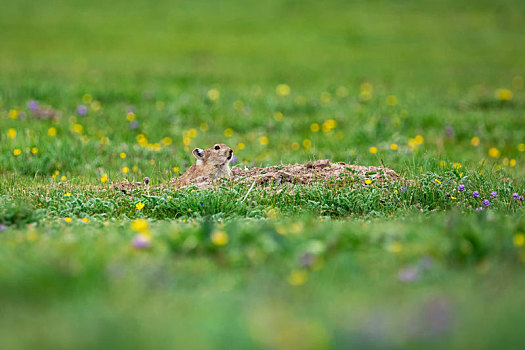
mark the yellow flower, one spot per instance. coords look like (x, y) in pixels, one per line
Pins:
(512, 162)
(167, 140)
(437, 181)
(68, 219)
(241, 146)
(474, 141)
(186, 140)
(505, 161)
(419, 139)
(228, 132)
(34, 150)
(395, 191)
(365, 96)
(52, 132)
(391, 100)
(219, 238)
(139, 225)
(494, 152)
(63, 178)
(130, 116)
(238, 105)
(442, 163)
(139, 205)
(456, 166)
(278, 116)
(368, 181)
(395, 247)
(17, 152)
(263, 140)
(192, 133)
(326, 97)
(393, 147)
(314, 127)
(87, 98)
(85, 220)
(95, 106)
(521, 147)
(519, 239)
(104, 178)
(125, 170)
(78, 128)
(57, 172)
(297, 277)
(135, 168)
(503, 94)
(373, 150)
(159, 105)
(452, 197)
(203, 127)
(176, 169)
(213, 94)
(283, 90)
(366, 87)
(13, 114)
(123, 155)
(11, 133)
(67, 194)
(295, 146)
(307, 143)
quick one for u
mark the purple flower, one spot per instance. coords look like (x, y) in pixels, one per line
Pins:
(32, 105)
(475, 194)
(141, 241)
(515, 195)
(234, 159)
(82, 110)
(486, 202)
(402, 189)
(520, 198)
(2, 227)
(449, 131)
(480, 209)
(408, 274)
(493, 194)
(133, 124)
(461, 187)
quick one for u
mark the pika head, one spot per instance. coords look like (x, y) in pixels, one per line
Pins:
(213, 163)
(217, 155)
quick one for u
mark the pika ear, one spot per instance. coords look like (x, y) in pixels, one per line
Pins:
(198, 153)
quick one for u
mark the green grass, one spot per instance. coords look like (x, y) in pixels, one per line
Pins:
(400, 265)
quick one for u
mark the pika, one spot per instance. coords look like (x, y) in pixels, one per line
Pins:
(213, 163)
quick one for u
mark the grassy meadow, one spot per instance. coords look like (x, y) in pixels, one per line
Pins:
(94, 93)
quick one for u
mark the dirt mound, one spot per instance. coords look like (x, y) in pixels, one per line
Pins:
(321, 171)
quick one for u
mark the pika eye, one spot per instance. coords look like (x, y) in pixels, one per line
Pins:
(217, 147)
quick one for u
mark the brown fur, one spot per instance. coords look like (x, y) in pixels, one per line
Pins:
(211, 163)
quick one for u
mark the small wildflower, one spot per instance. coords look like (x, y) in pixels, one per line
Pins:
(17, 152)
(391, 100)
(263, 140)
(141, 241)
(125, 170)
(307, 143)
(283, 90)
(519, 239)
(373, 150)
(67, 194)
(503, 94)
(139, 205)
(452, 197)
(130, 116)
(133, 125)
(521, 147)
(493, 194)
(123, 155)
(475, 194)
(2, 227)
(409, 274)
(395, 247)
(461, 187)
(87, 98)
(86, 220)
(393, 147)
(33, 106)
(278, 116)
(486, 202)
(11, 133)
(175, 169)
(512, 162)
(437, 181)
(297, 277)
(13, 114)
(68, 219)
(82, 110)
(314, 127)
(52, 132)
(368, 181)
(34, 150)
(494, 152)
(480, 209)
(104, 178)
(219, 238)
(139, 225)
(228, 132)
(213, 94)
